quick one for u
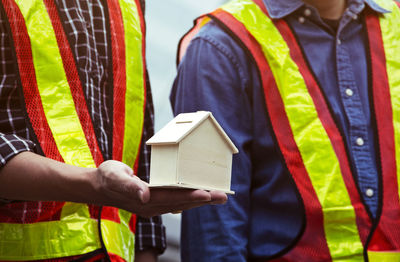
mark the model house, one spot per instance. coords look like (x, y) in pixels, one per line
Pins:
(192, 151)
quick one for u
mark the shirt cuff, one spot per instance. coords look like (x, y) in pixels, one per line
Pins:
(11, 145)
(150, 234)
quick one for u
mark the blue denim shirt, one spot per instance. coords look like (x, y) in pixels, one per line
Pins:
(266, 217)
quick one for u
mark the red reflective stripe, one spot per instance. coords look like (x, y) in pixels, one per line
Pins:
(30, 212)
(261, 4)
(398, 4)
(387, 235)
(185, 40)
(32, 98)
(119, 75)
(307, 246)
(115, 258)
(132, 223)
(94, 211)
(74, 82)
(363, 220)
(110, 213)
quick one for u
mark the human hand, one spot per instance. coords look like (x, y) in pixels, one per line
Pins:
(117, 186)
(169, 200)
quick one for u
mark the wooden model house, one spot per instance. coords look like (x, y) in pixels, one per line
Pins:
(192, 151)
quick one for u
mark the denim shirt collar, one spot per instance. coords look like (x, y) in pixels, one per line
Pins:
(282, 8)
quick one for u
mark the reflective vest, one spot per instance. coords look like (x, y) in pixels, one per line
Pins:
(57, 113)
(338, 227)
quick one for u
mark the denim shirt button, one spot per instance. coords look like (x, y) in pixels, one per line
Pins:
(302, 20)
(307, 12)
(369, 192)
(360, 141)
(349, 92)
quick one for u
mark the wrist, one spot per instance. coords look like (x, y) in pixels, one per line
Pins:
(147, 255)
(81, 184)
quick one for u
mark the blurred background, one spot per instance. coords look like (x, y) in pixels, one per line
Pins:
(167, 21)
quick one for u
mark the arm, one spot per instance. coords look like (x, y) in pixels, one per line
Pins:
(210, 78)
(28, 176)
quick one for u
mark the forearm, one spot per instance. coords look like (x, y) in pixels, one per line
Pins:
(29, 176)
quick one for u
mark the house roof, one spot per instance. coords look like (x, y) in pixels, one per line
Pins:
(182, 125)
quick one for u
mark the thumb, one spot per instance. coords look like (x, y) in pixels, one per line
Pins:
(142, 189)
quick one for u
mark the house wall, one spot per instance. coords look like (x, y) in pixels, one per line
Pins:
(163, 168)
(204, 158)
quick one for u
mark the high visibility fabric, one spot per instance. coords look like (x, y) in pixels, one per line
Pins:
(70, 236)
(134, 100)
(374, 256)
(119, 77)
(53, 86)
(391, 41)
(385, 48)
(12, 248)
(312, 140)
(43, 74)
(268, 43)
(75, 84)
(118, 239)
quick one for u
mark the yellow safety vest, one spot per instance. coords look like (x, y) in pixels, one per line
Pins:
(338, 227)
(58, 115)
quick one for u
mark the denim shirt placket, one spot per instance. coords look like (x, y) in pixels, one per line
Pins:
(359, 141)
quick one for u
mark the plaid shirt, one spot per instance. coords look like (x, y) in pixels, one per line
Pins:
(86, 25)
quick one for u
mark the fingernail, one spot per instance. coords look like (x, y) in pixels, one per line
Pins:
(220, 201)
(140, 194)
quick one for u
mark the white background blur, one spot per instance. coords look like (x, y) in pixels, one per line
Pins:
(167, 21)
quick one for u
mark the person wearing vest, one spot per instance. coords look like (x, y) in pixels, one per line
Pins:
(309, 92)
(75, 111)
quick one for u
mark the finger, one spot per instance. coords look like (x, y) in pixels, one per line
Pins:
(173, 196)
(218, 197)
(130, 187)
(176, 199)
(149, 211)
(143, 191)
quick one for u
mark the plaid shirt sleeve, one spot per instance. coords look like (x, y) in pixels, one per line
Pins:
(11, 145)
(150, 233)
